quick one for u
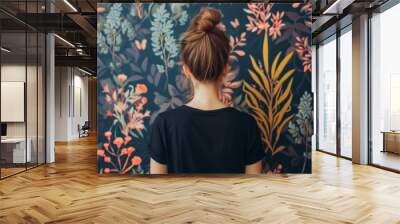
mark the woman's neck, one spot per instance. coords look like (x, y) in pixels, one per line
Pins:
(206, 97)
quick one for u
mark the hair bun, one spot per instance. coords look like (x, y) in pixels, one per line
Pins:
(208, 19)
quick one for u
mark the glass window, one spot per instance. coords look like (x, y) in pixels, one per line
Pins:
(327, 96)
(346, 94)
(385, 89)
(14, 151)
(22, 91)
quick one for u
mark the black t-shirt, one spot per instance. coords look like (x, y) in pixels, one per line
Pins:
(190, 140)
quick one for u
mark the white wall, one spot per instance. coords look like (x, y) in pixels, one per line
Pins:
(16, 73)
(71, 102)
(33, 127)
(314, 92)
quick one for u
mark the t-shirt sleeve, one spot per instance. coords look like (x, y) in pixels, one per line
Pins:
(255, 150)
(157, 142)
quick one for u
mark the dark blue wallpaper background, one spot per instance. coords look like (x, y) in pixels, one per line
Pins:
(139, 76)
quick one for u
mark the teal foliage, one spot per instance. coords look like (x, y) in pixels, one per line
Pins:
(163, 41)
(115, 26)
(302, 128)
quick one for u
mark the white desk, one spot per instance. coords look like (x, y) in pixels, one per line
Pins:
(18, 149)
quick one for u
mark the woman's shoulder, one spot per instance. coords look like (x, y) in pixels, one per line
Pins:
(245, 117)
(182, 112)
(171, 113)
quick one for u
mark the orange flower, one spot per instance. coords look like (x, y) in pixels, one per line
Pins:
(100, 9)
(109, 113)
(127, 139)
(106, 170)
(118, 142)
(124, 151)
(107, 159)
(122, 78)
(108, 134)
(106, 146)
(136, 161)
(130, 150)
(140, 89)
(100, 153)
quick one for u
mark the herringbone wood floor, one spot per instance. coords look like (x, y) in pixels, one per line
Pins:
(70, 191)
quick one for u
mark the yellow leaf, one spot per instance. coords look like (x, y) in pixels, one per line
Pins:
(279, 149)
(282, 112)
(283, 64)
(253, 101)
(274, 64)
(285, 94)
(256, 93)
(264, 87)
(266, 53)
(282, 80)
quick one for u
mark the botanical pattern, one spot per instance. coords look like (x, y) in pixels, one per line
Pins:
(270, 98)
(139, 76)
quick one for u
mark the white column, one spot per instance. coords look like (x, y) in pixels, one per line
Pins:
(50, 94)
(360, 90)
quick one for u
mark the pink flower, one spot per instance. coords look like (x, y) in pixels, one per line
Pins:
(228, 85)
(118, 142)
(120, 107)
(275, 30)
(131, 150)
(122, 78)
(304, 52)
(107, 159)
(100, 10)
(108, 99)
(107, 134)
(296, 5)
(140, 89)
(106, 170)
(136, 120)
(106, 89)
(106, 146)
(114, 96)
(136, 161)
(127, 139)
(124, 151)
(259, 14)
(139, 107)
(144, 100)
(100, 153)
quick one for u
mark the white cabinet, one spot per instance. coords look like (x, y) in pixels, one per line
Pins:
(17, 146)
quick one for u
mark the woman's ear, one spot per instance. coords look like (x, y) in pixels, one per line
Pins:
(186, 71)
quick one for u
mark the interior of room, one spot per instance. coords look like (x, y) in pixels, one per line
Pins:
(22, 99)
(385, 89)
(49, 149)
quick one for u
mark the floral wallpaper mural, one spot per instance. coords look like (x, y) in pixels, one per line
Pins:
(139, 76)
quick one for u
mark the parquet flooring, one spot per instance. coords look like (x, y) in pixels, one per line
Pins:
(70, 191)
